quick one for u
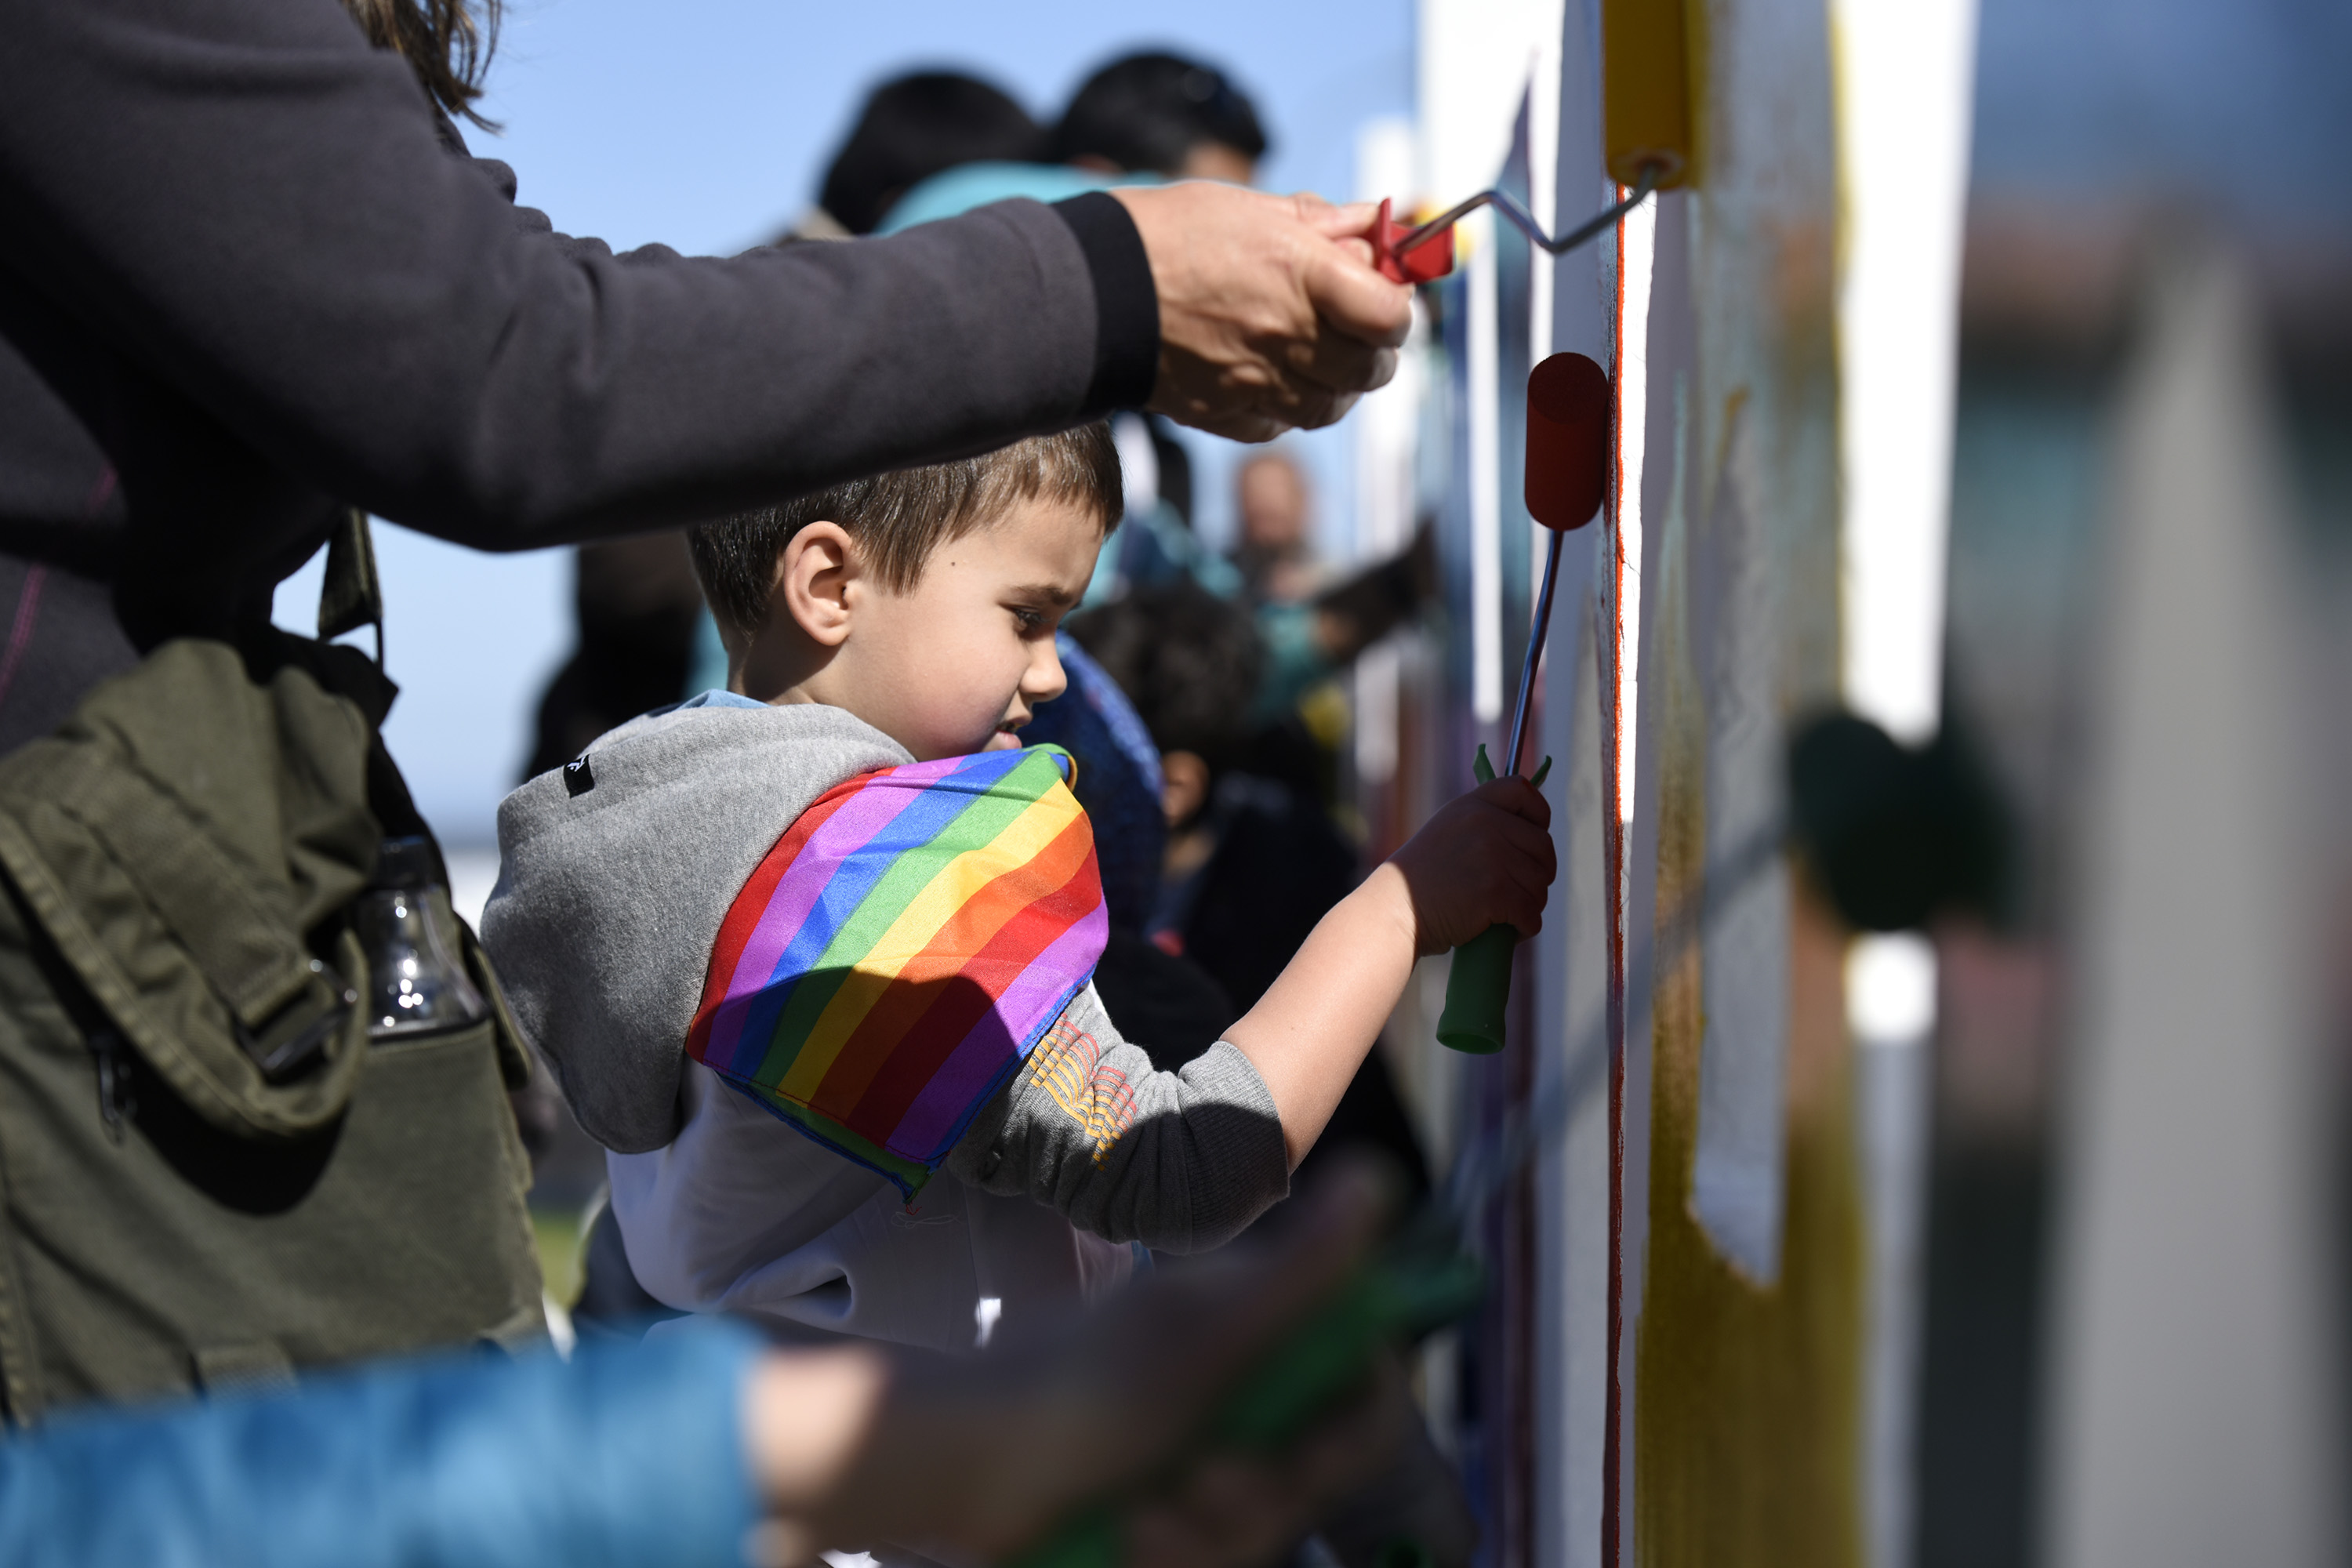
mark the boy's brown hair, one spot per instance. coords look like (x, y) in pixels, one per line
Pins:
(898, 519)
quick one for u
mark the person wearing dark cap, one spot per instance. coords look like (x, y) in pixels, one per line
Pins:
(911, 128)
(1139, 120)
(1161, 114)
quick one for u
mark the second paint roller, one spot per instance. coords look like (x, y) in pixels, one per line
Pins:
(1567, 479)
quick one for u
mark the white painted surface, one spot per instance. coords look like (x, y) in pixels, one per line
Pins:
(1571, 1180)
(1904, 79)
(1890, 1006)
(1905, 82)
(1475, 61)
(1892, 1086)
(1739, 1169)
(1639, 230)
(1484, 421)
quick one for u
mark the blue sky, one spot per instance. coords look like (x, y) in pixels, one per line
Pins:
(704, 124)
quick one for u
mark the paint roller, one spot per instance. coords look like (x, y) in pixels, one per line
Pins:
(1567, 479)
(1648, 82)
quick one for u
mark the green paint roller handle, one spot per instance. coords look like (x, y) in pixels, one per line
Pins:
(1413, 1288)
(1478, 989)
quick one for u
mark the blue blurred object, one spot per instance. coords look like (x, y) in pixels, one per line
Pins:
(1119, 782)
(627, 1455)
(968, 186)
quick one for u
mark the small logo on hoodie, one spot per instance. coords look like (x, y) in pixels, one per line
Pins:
(577, 779)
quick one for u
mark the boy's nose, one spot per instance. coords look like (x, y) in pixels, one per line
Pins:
(1046, 680)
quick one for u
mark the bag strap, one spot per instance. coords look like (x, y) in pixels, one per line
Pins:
(352, 596)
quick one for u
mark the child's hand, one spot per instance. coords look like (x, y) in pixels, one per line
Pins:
(1487, 858)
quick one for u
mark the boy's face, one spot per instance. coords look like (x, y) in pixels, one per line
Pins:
(958, 662)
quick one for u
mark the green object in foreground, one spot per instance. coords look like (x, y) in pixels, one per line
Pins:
(1479, 987)
(1419, 1283)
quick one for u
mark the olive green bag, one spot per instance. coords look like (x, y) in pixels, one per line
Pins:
(208, 1176)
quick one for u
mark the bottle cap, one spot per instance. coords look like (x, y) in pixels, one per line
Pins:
(406, 863)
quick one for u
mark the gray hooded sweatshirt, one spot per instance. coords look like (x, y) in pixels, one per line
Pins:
(615, 875)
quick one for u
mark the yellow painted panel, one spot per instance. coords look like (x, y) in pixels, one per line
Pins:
(1649, 82)
(1747, 1419)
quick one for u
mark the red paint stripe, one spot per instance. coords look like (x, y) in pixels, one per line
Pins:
(20, 630)
(900, 1015)
(1612, 1440)
(744, 915)
(957, 1009)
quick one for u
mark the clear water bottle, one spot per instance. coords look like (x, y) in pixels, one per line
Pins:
(417, 965)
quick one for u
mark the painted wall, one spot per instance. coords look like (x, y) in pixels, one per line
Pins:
(1698, 1351)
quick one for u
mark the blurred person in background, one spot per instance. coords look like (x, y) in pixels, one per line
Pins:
(1141, 119)
(1252, 861)
(1313, 627)
(252, 290)
(1162, 114)
(1275, 551)
(911, 128)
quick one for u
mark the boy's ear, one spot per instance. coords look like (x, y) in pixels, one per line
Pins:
(817, 582)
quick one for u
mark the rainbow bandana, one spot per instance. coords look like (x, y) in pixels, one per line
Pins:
(901, 949)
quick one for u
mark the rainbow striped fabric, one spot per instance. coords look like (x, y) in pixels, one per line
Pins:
(901, 949)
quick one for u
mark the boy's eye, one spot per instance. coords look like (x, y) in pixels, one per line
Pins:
(1029, 620)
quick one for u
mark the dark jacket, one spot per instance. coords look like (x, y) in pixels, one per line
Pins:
(243, 284)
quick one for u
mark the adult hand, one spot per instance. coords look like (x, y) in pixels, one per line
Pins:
(1271, 314)
(1057, 1415)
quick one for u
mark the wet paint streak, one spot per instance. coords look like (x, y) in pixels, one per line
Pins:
(20, 628)
(1629, 382)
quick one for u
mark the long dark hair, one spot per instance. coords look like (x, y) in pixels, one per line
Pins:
(446, 43)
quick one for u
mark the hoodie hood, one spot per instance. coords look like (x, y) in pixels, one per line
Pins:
(616, 872)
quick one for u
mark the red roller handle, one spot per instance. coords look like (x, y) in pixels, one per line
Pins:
(1427, 262)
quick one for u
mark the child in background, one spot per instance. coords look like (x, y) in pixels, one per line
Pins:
(796, 946)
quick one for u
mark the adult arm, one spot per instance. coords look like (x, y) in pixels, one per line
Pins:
(248, 201)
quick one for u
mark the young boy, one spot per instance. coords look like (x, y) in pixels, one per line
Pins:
(796, 947)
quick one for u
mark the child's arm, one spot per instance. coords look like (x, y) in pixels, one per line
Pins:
(1486, 860)
(1183, 1161)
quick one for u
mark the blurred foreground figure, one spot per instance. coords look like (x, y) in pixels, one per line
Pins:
(700, 1447)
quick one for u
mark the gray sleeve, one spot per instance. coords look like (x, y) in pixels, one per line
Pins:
(1179, 1161)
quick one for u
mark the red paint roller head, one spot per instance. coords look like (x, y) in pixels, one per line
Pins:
(1568, 441)
(1427, 262)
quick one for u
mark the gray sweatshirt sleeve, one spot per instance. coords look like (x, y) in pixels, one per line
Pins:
(1179, 1161)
